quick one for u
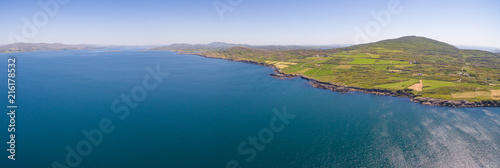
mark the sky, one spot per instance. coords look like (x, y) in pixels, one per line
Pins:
(255, 22)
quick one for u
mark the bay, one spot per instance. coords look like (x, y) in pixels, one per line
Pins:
(205, 109)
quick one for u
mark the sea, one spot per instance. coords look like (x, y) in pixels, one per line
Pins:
(151, 109)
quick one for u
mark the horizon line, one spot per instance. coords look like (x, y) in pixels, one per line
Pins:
(158, 45)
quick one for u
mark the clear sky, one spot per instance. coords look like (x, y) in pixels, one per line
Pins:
(257, 22)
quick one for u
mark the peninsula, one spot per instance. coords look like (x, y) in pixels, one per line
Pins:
(427, 71)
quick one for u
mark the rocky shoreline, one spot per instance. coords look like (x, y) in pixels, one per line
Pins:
(382, 92)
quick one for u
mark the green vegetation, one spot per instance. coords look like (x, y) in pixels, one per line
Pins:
(390, 62)
(434, 84)
(399, 85)
(363, 61)
(324, 72)
(396, 64)
(311, 72)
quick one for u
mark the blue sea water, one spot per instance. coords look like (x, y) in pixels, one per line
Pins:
(205, 111)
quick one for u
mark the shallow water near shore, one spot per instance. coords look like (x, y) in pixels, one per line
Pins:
(206, 108)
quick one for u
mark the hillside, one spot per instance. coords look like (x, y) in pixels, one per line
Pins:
(400, 64)
(418, 46)
(27, 47)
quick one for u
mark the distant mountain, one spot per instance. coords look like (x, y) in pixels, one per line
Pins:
(223, 45)
(296, 47)
(470, 47)
(219, 46)
(199, 47)
(27, 47)
(497, 51)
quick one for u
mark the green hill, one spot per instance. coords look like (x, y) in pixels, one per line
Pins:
(418, 46)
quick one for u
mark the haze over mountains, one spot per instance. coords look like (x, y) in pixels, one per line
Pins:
(27, 47)
(217, 46)
(223, 46)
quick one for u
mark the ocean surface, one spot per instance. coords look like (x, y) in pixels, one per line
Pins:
(215, 113)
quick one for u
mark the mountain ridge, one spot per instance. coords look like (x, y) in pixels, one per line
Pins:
(218, 46)
(28, 47)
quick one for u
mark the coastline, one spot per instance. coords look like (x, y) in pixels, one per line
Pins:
(380, 92)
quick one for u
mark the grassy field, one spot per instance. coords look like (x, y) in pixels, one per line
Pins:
(311, 72)
(433, 84)
(390, 62)
(280, 65)
(328, 66)
(324, 72)
(403, 66)
(399, 85)
(471, 95)
(303, 71)
(294, 69)
(344, 67)
(363, 61)
(495, 94)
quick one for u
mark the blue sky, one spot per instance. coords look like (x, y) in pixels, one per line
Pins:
(257, 22)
